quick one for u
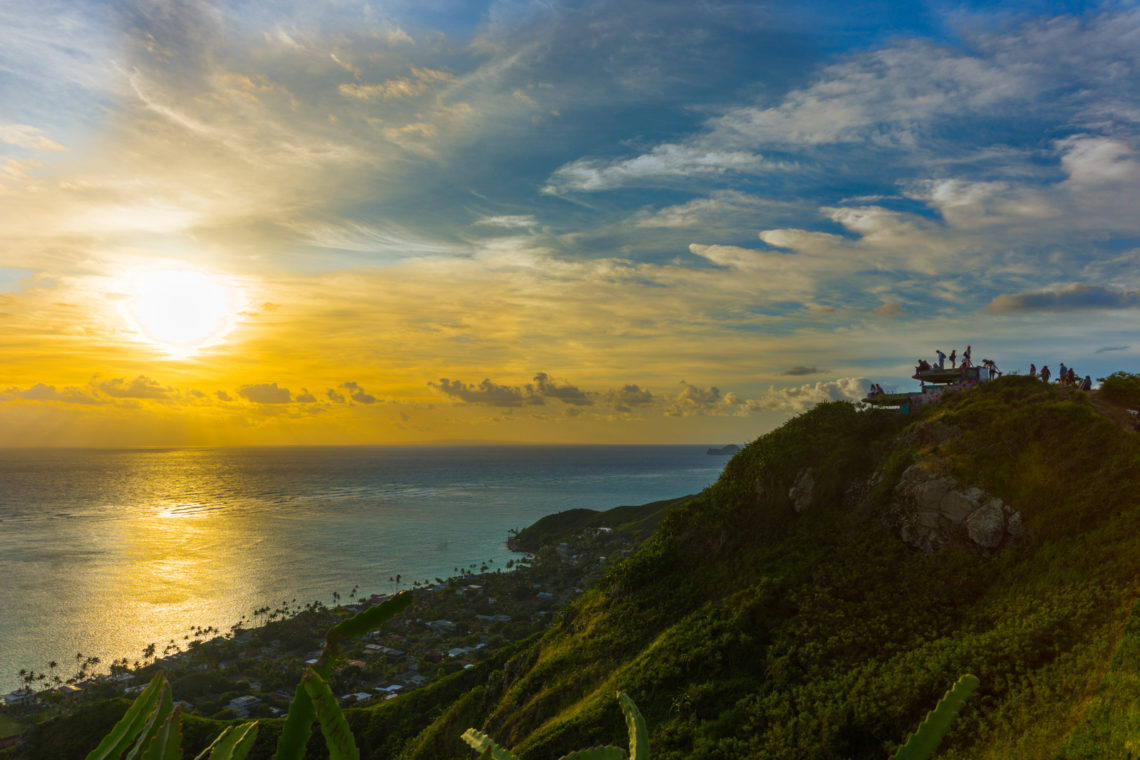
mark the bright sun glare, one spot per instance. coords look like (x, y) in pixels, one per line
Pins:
(181, 310)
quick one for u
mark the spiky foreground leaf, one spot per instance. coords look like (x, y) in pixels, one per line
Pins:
(154, 722)
(362, 623)
(167, 741)
(129, 726)
(482, 743)
(338, 736)
(925, 739)
(638, 732)
(298, 726)
(232, 744)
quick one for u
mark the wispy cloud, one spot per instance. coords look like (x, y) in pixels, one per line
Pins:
(1071, 298)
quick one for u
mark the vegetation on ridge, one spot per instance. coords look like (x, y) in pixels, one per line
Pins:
(750, 630)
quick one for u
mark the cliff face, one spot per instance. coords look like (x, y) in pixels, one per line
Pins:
(844, 571)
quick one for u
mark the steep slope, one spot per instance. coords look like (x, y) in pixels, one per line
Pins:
(780, 615)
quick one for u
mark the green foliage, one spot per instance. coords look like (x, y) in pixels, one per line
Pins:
(925, 739)
(635, 724)
(232, 744)
(313, 700)
(1121, 388)
(338, 736)
(152, 727)
(483, 744)
(137, 726)
(635, 521)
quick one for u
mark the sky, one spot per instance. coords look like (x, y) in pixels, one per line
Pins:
(295, 223)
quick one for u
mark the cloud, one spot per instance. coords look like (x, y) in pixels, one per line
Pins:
(803, 397)
(630, 396)
(1075, 297)
(890, 310)
(41, 392)
(141, 387)
(487, 392)
(304, 397)
(223, 396)
(666, 162)
(27, 136)
(566, 393)
(493, 394)
(335, 396)
(693, 400)
(800, 369)
(409, 87)
(357, 394)
(1106, 349)
(508, 220)
(265, 393)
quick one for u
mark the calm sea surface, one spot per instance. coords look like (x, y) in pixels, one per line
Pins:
(103, 552)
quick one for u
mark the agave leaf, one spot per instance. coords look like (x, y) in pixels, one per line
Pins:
(925, 739)
(167, 741)
(597, 753)
(638, 732)
(298, 726)
(232, 744)
(338, 736)
(154, 722)
(129, 726)
(363, 622)
(481, 743)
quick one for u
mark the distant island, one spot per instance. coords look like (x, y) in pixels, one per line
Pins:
(728, 450)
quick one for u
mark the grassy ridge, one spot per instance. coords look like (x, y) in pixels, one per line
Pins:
(744, 629)
(635, 521)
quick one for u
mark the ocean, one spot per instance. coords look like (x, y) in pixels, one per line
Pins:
(105, 551)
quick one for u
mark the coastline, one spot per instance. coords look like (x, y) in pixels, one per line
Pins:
(454, 624)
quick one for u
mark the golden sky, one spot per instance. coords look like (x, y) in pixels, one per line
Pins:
(228, 224)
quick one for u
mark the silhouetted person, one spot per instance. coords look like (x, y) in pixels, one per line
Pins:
(1045, 373)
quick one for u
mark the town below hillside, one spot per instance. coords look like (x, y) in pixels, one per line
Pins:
(455, 623)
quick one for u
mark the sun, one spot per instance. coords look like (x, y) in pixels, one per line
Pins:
(181, 310)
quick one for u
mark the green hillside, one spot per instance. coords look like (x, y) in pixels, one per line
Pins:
(758, 623)
(637, 522)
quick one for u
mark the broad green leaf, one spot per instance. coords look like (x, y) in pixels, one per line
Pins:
(232, 744)
(597, 753)
(167, 741)
(129, 726)
(298, 726)
(925, 740)
(154, 722)
(481, 743)
(338, 736)
(638, 732)
(371, 618)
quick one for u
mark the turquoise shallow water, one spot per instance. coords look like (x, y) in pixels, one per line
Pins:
(103, 552)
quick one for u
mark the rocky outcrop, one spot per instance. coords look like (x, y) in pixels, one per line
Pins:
(932, 510)
(801, 491)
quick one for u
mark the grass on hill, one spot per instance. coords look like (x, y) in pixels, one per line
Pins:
(744, 629)
(636, 522)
